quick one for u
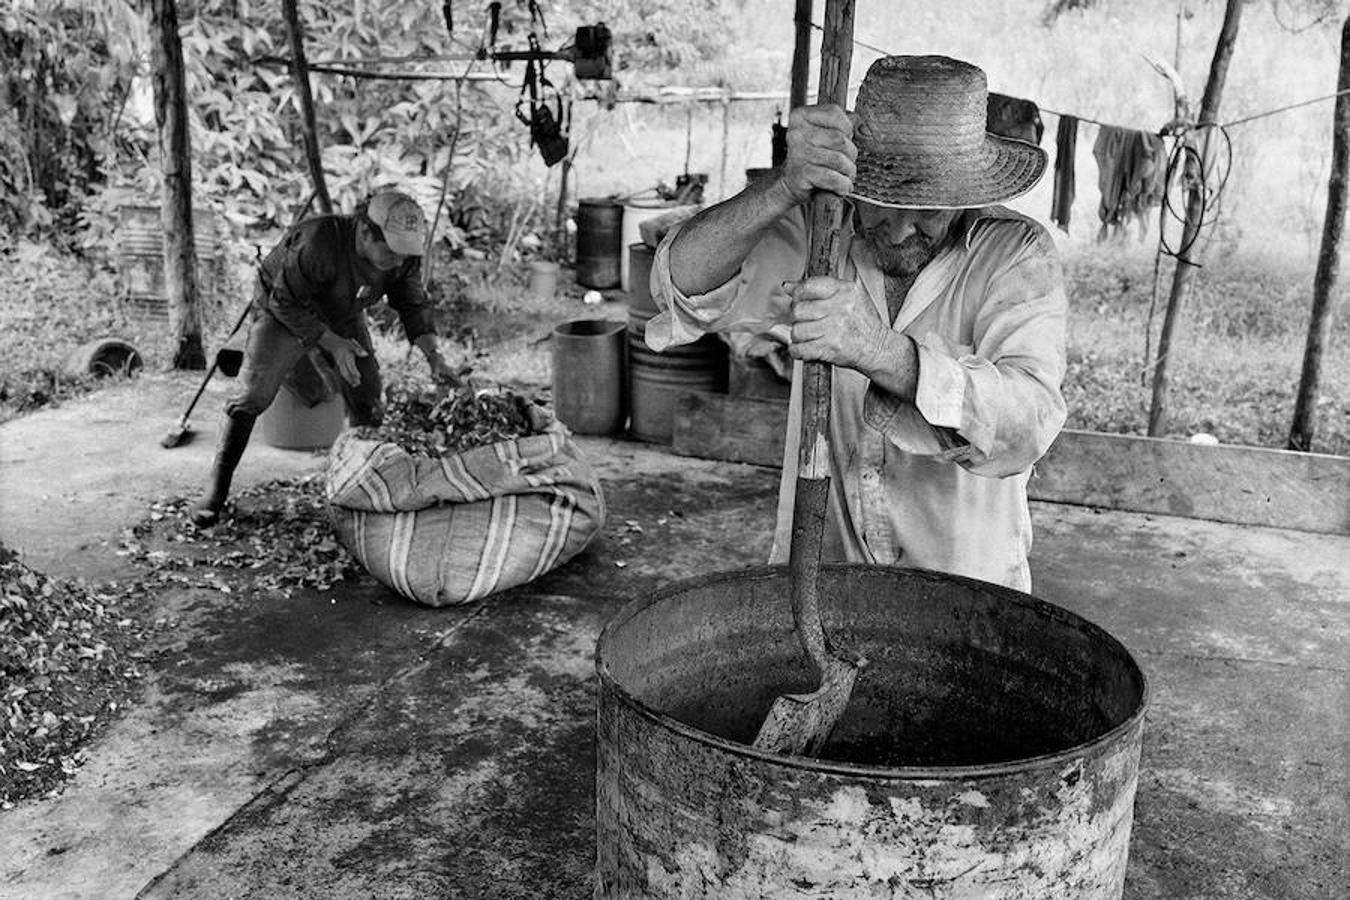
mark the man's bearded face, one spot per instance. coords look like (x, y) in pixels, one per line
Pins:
(901, 241)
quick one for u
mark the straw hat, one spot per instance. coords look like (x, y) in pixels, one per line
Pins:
(922, 143)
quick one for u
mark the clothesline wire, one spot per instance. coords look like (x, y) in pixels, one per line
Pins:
(1242, 121)
(1285, 108)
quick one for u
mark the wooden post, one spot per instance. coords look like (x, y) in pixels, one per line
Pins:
(1186, 264)
(300, 72)
(801, 53)
(1328, 262)
(175, 158)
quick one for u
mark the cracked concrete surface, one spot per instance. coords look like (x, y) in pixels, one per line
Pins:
(351, 749)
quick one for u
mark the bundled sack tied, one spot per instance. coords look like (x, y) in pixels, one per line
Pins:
(454, 528)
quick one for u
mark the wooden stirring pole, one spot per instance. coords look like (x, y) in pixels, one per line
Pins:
(801, 723)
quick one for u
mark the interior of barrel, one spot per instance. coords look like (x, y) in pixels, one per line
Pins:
(958, 673)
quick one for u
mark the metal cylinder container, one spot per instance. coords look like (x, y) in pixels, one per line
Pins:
(990, 749)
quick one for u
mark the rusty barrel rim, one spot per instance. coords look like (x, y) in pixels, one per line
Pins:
(898, 773)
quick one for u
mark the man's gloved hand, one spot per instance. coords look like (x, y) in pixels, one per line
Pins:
(444, 373)
(441, 371)
(344, 352)
(821, 154)
(834, 321)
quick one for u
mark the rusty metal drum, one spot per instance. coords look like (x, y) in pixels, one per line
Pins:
(990, 749)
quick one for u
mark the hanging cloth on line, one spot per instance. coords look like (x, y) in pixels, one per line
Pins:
(1131, 175)
(1014, 117)
(1066, 145)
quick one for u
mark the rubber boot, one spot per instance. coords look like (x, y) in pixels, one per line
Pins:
(233, 440)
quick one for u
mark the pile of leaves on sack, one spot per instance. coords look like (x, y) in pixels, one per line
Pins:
(276, 539)
(432, 422)
(69, 658)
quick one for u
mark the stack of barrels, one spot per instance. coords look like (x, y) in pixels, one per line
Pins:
(653, 381)
(656, 380)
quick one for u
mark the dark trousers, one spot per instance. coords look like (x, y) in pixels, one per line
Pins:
(272, 352)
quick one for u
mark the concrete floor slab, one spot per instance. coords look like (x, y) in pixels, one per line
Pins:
(371, 748)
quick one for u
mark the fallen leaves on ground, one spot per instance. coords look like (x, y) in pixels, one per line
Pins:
(67, 661)
(72, 655)
(277, 537)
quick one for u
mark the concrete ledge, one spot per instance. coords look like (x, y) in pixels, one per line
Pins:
(1224, 483)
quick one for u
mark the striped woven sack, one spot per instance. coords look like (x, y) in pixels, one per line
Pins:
(455, 528)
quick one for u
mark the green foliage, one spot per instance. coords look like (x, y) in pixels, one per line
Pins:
(65, 71)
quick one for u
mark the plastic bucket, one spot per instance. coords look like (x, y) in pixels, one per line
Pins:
(543, 283)
(599, 243)
(292, 425)
(990, 748)
(588, 376)
(656, 380)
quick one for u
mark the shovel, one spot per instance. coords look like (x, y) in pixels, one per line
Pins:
(225, 360)
(802, 723)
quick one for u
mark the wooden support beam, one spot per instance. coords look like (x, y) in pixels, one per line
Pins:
(300, 72)
(1328, 262)
(175, 158)
(1189, 251)
(1227, 483)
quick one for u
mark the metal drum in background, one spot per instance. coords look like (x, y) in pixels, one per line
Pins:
(990, 749)
(656, 380)
(140, 258)
(640, 258)
(589, 393)
(635, 212)
(599, 242)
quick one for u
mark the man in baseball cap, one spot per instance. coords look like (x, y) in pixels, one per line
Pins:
(314, 288)
(400, 221)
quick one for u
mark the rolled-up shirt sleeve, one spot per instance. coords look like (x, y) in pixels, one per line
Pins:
(752, 302)
(993, 407)
(409, 299)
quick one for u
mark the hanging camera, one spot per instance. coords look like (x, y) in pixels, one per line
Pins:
(547, 125)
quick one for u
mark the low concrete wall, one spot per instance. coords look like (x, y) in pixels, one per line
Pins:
(1224, 483)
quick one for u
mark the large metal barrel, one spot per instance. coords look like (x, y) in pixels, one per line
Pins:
(990, 750)
(657, 380)
(599, 242)
(140, 258)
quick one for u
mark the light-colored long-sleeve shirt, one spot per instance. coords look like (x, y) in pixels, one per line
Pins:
(939, 483)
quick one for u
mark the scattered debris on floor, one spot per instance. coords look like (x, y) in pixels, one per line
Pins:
(274, 537)
(72, 655)
(69, 660)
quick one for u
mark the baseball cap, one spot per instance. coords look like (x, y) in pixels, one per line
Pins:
(401, 220)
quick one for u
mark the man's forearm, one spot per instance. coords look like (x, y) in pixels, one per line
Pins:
(894, 365)
(711, 246)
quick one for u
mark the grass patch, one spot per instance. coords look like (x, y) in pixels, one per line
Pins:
(1236, 355)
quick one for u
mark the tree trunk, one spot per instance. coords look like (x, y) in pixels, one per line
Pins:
(1328, 262)
(300, 72)
(801, 53)
(1186, 264)
(175, 155)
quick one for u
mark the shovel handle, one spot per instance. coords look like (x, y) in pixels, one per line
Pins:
(813, 456)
